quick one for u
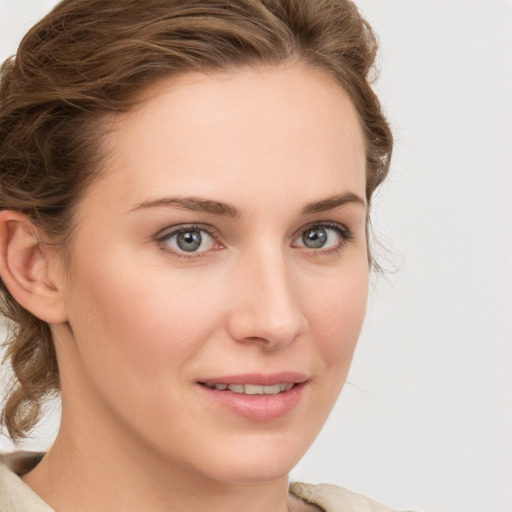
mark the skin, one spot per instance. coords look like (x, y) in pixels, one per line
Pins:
(138, 322)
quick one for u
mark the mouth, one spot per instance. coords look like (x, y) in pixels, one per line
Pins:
(256, 397)
(252, 389)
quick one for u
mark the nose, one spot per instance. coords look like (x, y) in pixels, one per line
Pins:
(267, 307)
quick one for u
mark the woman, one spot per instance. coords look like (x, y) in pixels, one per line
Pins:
(185, 199)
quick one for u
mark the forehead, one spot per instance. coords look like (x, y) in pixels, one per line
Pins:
(256, 128)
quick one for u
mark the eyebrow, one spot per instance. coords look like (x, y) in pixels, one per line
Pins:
(195, 204)
(199, 204)
(332, 202)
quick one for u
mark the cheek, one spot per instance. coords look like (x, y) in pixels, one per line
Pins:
(337, 313)
(137, 323)
(135, 335)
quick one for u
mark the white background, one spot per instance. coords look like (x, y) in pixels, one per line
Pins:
(425, 421)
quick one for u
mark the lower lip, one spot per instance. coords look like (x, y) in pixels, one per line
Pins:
(257, 407)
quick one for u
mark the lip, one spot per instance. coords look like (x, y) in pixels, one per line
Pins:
(258, 379)
(259, 408)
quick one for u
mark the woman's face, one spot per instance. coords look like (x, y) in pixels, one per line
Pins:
(220, 272)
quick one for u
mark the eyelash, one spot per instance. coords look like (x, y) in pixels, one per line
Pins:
(166, 235)
(346, 236)
(343, 232)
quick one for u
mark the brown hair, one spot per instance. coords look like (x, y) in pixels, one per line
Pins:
(89, 58)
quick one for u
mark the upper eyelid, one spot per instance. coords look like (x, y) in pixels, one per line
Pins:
(171, 230)
(166, 233)
(345, 234)
(328, 224)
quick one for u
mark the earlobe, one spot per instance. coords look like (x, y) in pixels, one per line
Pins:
(25, 268)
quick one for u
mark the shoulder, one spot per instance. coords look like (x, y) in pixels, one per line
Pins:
(15, 495)
(332, 498)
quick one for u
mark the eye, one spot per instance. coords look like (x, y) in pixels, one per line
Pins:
(323, 236)
(189, 239)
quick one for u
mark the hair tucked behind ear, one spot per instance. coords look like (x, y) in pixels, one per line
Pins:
(89, 59)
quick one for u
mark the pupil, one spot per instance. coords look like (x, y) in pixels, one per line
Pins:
(189, 241)
(314, 238)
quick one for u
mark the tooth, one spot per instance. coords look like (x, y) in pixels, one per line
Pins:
(272, 390)
(252, 389)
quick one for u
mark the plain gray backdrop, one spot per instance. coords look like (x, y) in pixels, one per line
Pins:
(425, 420)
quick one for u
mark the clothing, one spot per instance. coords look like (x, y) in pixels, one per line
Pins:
(16, 496)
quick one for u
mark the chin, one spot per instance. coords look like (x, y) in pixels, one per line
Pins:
(252, 472)
(267, 461)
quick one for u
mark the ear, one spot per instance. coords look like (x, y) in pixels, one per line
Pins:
(26, 268)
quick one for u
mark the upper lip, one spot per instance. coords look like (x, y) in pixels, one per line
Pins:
(258, 379)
